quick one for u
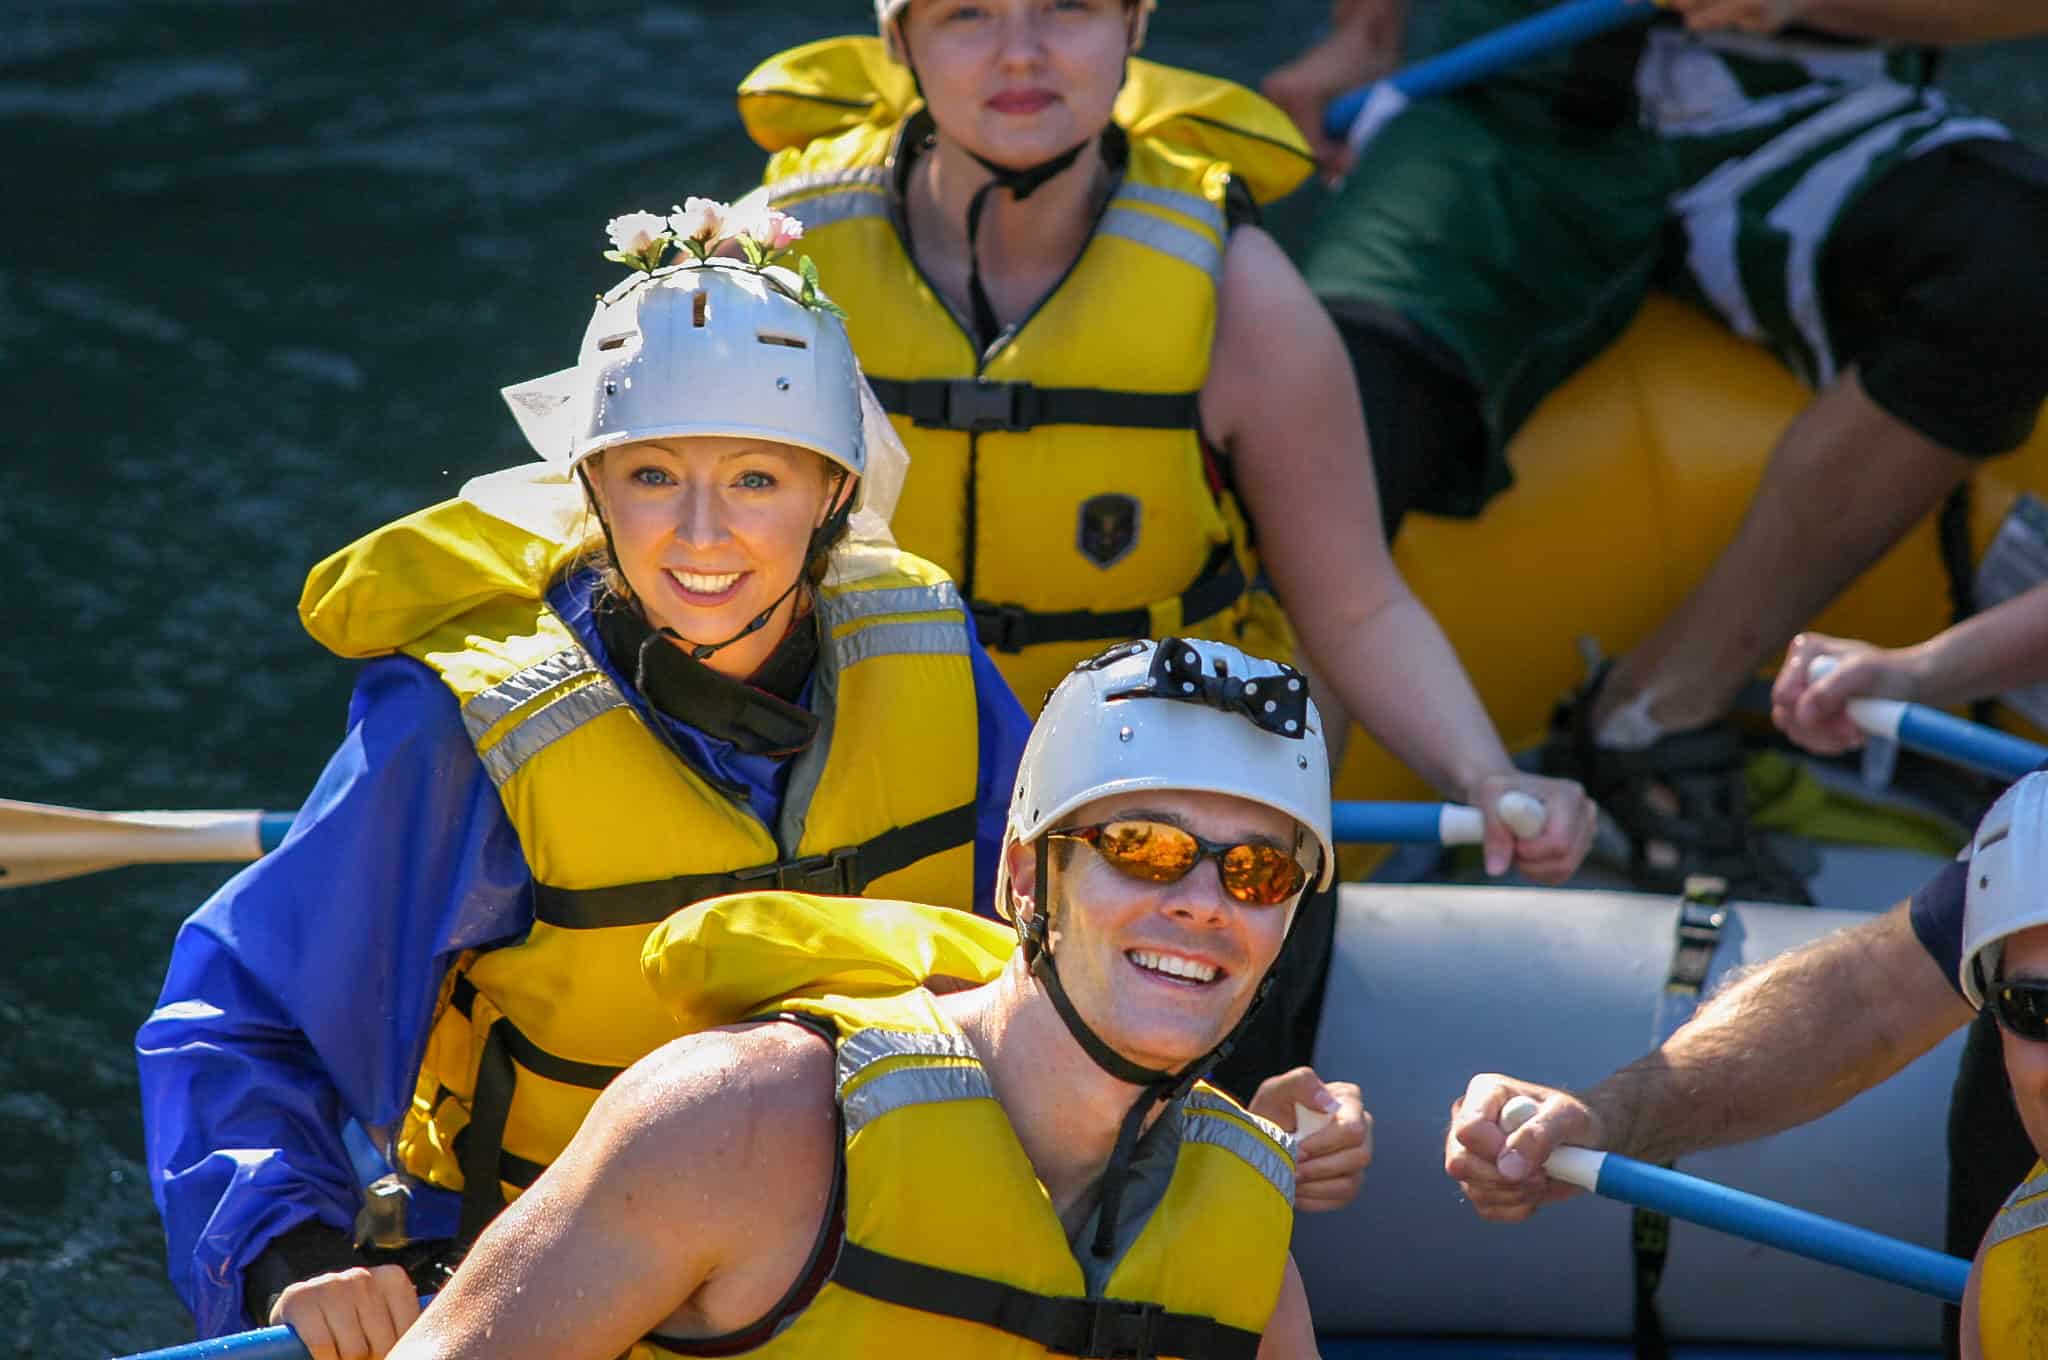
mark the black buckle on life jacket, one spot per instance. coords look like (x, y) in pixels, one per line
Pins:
(980, 406)
(1119, 1329)
(998, 625)
(834, 874)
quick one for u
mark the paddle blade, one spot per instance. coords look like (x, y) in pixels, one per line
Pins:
(41, 843)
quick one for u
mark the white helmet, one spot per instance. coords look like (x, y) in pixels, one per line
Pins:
(718, 348)
(2008, 885)
(1180, 714)
(887, 12)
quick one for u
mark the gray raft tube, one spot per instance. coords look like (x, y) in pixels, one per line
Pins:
(1430, 985)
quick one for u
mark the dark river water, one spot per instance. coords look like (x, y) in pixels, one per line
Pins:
(262, 270)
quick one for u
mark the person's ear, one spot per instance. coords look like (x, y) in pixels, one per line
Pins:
(1023, 874)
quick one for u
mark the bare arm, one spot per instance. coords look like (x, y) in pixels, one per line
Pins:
(1989, 653)
(1363, 44)
(1786, 1043)
(666, 1196)
(1282, 397)
(1290, 1333)
(1949, 22)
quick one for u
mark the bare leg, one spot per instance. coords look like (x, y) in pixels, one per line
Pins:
(1844, 484)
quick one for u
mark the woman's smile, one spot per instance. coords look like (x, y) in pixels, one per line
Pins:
(707, 588)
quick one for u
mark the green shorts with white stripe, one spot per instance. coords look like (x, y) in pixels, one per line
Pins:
(1524, 242)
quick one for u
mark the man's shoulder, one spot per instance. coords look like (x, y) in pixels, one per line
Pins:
(734, 1100)
(765, 1063)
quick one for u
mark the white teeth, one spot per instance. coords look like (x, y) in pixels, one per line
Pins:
(1172, 965)
(697, 583)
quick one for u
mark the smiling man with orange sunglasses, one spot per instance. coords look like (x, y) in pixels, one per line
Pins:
(881, 1161)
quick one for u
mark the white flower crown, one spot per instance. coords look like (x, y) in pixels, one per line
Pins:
(702, 228)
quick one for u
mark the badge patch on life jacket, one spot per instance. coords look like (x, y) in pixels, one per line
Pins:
(1109, 528)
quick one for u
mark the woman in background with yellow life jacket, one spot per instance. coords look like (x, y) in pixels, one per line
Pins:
(1112, 383)
(718, 674)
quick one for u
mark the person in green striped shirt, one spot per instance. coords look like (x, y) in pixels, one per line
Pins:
(1788, 165)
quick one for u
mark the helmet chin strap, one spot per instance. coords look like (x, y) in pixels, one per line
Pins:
(1021, 184)
(1156, 1085)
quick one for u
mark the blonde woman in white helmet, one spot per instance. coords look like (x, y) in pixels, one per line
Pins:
(715, 673)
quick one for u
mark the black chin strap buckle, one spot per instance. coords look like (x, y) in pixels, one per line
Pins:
(1119, 1329)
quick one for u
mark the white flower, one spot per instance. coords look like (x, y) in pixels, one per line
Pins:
(700, 219)
(635, 233)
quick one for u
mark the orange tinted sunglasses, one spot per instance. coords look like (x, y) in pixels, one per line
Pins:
(1254, 873)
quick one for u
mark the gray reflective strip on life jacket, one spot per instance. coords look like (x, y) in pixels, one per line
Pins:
(821, 200)
(2016, 1221)
(1176, 200)
(484, 711)
(843, 606)
(2028, 1189)
(912, 1084)
(1217, 1122)
(931, 636)
(917, 1085)
(900, 639)
(585, 692)
(796, 186)
(1168, 238)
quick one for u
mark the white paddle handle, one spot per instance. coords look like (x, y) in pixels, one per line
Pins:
(1461, 825)
(1578, 1166)
(1877, 717)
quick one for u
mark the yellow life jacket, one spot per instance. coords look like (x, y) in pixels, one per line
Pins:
(950, 1245)
(2012, 1284)
(1060, 476)
(618, 831)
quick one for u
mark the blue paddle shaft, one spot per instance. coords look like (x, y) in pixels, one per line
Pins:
(1387, 823)
(1778, 1225)
(1984, 749)
(1560, 26)
(266, 1343)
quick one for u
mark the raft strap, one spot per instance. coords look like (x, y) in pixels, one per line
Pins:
(1115, 1329)
(1700, 918)
(979, 406)
(1012, 627)
(844, 872)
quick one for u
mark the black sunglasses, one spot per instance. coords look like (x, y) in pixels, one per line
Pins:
(2020, 1007)
(1253, 872)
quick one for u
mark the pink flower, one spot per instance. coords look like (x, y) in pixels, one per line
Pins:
(769, 228)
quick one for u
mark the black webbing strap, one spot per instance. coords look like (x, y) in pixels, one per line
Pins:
(1700, 918)
(1114, 1329)
(1012, 627)
(979, 406)
(845, 872)
(481, 1144)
